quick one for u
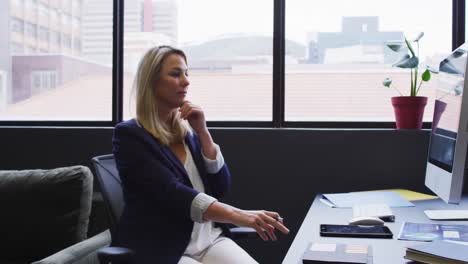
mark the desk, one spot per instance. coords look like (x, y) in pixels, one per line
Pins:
(384, 250)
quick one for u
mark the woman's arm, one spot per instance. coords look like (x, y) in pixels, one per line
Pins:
(264, 222)
(207, 144)
(196, 118)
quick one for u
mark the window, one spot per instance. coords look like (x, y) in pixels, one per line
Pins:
(230, 64)
(43, 34)
(66, 5)
(31, 30)
(76, 25)
(16, 48)
(55, 38)
(54, 17)
(66, 41)
(76, 7)
(60, 54)
(77, 44)
(336, 58)
(29, 4)
(16, 4)
(43, 13)
(16, 25)
(52, 79)
(43, 80)
(66, 22)
(3, 90)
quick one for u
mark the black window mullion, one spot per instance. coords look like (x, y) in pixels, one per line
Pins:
(117, 62)
(458, 23)
(278, 62)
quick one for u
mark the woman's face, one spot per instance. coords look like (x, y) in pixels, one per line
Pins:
(171, 87)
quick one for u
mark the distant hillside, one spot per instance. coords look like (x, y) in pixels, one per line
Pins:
(241, 46)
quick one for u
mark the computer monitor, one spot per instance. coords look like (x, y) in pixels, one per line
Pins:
(447, 158)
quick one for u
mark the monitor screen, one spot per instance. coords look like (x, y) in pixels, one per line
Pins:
(447, 109)
(448, 143)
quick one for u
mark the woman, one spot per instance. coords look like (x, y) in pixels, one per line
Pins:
(173, 173)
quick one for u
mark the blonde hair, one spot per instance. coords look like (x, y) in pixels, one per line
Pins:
(149, 70)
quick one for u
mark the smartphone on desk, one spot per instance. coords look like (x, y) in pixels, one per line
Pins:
(355, 231)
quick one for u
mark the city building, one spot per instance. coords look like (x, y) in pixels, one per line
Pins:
(158, 17)
(53, 37)
(44, 26)
(36, 27)
(360, 41)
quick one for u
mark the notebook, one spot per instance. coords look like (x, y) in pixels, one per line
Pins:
(438, 251)
(432, 231)
(326, 253)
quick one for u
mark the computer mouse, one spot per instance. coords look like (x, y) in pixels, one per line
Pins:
(366, 220)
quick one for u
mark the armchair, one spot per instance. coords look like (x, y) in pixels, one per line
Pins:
(45, 216)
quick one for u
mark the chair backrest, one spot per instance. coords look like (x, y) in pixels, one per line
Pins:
(111, 187)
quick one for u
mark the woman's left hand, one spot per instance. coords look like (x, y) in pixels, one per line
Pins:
(194, 115)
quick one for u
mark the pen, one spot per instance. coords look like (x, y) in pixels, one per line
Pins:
(279, 218)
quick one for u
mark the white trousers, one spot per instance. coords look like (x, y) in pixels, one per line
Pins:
(223, 250)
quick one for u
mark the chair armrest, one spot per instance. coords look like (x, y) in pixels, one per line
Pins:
(84, 252)
(243, 232)
(115, 255)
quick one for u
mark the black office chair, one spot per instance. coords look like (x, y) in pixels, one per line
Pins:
(111, 189)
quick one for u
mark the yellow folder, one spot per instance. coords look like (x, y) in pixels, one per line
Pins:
(413, 196)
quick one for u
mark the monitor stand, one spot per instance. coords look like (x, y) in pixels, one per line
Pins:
(447, 214)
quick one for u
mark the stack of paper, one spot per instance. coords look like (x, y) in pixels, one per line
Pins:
(345, 200)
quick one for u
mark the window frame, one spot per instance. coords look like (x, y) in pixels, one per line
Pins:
(278, 105)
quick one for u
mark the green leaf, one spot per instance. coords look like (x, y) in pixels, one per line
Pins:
(432, 69)
(395, 45)
(418, 37)
(387, 82)
(408, 44)
(426, 76)
(407, 62)
(458, 53)
(402, 58)
(447, 67)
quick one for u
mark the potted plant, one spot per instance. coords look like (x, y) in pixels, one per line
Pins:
(409, 109)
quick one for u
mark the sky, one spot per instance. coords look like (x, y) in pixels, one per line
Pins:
(202, 19)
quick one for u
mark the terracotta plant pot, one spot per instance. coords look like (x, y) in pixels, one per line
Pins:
(409, 111)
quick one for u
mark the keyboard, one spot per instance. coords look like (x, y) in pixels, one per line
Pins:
(381, 211)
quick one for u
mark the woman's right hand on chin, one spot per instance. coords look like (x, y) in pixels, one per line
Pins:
(264, 222)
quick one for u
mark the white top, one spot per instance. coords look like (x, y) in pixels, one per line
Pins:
(204, 232)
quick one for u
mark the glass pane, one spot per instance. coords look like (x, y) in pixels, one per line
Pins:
(51, 68)
(229, 47)
(337, 58)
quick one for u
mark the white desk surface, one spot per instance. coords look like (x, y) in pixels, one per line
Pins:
(384, 250)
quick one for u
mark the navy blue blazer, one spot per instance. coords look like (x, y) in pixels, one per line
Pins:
(158, 194)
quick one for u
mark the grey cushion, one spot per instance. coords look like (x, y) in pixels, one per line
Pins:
(84, 252)
(43, 211)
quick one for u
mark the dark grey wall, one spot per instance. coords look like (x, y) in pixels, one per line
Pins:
(272, 169)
